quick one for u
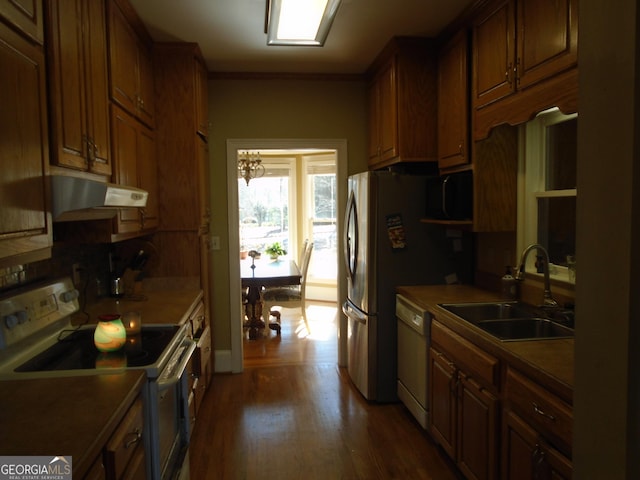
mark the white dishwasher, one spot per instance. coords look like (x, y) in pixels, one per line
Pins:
(413, 346)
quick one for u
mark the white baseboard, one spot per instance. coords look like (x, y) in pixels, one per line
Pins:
(223, 361)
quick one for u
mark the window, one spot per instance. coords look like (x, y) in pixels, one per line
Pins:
(321, 210)
(296, 199)
(547, 189)
(265, 206)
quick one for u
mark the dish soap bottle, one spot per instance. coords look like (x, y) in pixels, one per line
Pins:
(509, 285)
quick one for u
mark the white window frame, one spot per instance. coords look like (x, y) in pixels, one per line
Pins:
(532, 186)
(319, 162)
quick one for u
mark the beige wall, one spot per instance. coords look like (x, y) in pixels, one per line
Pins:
(253, 108)
(607, 379)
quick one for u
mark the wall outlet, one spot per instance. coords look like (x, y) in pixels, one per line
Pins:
(215, 243)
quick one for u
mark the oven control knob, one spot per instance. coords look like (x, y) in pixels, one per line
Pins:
(69, 296)
(11, 321)
(22, 315)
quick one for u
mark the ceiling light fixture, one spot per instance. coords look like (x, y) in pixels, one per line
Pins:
(299, 22)
(250, 166)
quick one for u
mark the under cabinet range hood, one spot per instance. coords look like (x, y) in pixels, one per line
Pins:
(75, 198)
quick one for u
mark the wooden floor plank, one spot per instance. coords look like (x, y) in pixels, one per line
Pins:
(293, 414)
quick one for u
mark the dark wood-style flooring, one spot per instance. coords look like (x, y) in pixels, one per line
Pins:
(293, 414)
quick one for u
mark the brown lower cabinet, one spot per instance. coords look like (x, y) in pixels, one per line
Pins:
(464, 410)
(528, 457)
(123, 456)
(492, 420)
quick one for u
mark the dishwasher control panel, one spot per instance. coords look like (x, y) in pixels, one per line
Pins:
(411, 314)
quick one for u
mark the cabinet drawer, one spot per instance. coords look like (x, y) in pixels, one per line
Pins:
(124, 441)
(474, 359)
(539, 407)
(203, 353)
(197, 320)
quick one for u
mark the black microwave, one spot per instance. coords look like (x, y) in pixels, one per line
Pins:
(450, 197)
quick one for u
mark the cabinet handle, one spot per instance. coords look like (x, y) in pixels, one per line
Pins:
(537, 462)
(507, 74)
(91, 149)
(461, 149)
(137, 436)
(516, 71)
(541, 412)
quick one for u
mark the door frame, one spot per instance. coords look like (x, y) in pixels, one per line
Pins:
(233, 146)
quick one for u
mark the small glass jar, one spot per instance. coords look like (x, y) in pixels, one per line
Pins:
(110, 334)
(132, 322)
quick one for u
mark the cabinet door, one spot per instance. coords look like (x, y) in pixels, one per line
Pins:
(26, 15)
(547, 39)
(494, 52)
(477, 430)
(145, 103)
(135, 160)
(148, 176)
(78, 85)
(374, 124)
(125, 148)
(388, 114)
(97, 86)
(453, 103)
(202, 98)
(123, 60)
(442, 401)
(526, 456)
(24, 156)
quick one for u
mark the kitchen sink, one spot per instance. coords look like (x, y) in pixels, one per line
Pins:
(513, 321)
(476, 312)
(525, 329)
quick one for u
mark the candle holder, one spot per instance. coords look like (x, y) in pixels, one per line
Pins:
(132, 322)
(110, 334)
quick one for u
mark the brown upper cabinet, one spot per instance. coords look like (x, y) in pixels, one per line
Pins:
(402, 103)
(517, 45)
(453, 102)
(135, 161)
(25, 222)
(131, 64)
(25, 16)
(78, 85)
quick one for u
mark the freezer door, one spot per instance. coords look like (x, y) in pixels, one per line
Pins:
(358, 349)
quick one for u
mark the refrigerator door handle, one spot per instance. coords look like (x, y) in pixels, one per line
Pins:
(353, 312)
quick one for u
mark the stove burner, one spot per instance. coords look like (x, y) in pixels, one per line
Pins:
(77, 351)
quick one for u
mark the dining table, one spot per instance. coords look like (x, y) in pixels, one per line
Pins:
(256, 274)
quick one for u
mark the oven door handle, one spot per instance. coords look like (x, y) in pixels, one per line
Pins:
(181, 359)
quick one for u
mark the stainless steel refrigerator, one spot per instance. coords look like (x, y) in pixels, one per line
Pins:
(386, 245)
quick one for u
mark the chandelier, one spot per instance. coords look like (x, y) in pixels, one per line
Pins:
(250, 166)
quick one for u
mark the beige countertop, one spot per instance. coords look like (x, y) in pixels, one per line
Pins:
(550, 362)
(72, 416)
(155, 307)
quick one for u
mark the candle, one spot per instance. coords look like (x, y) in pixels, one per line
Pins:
(132, 322)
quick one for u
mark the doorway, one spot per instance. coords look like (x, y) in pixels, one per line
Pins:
(306, 165)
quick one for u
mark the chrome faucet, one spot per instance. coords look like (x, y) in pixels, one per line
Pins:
(548, 300)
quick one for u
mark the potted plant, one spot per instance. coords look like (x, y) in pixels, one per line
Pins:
(275, 250)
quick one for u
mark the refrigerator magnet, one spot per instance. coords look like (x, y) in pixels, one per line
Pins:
(395, 229)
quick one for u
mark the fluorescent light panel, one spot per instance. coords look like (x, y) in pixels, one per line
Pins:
(300, 22)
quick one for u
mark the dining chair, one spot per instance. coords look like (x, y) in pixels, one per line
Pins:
(289, 297)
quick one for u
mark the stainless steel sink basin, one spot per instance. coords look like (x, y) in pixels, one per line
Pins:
(510, 321)
(525, 329)
(477, 312)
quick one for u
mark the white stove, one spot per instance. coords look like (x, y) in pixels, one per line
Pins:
(38, 339)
